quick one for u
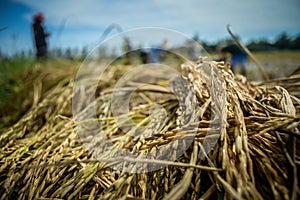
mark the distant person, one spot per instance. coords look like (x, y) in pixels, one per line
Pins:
(144, 56)
(151, 55)
(155, 54)
(238, 57)
(40, 36)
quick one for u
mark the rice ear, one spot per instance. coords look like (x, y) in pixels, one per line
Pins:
(43, 157)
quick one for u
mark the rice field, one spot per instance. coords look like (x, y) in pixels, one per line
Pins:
(277, 64)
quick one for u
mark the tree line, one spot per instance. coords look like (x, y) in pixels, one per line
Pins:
(282, 42)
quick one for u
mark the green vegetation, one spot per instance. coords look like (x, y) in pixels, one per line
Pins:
(24, 82)
(282, 42)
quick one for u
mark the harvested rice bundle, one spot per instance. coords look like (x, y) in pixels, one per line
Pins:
(254, 157)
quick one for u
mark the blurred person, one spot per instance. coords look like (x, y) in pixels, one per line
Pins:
(40, 36)
(155, 54)
(151, 55)
(238, 57)
(144, 56)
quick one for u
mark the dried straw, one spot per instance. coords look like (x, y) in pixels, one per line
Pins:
(255, 157)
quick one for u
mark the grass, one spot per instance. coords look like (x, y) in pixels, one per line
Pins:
(24, 82)
(10, 71)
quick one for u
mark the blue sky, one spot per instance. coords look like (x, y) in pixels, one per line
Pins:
(85, 20)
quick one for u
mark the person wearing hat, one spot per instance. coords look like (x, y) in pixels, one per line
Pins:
(40, 36)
